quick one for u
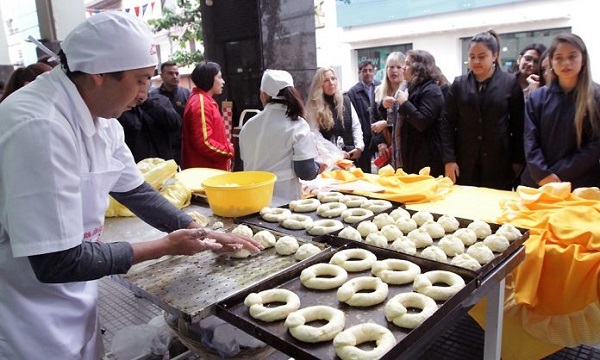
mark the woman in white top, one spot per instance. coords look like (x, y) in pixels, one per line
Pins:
(278, 139)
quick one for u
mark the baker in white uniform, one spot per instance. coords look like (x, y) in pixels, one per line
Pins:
(278, 139)
(61, 154)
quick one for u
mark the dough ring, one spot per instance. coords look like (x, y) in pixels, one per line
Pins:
(331, 209)
(330, 196)
(364, 259)
(256, 304)
(396, 309)
(376, 206)
(322, 227)
(274, 214)
(296, 323)
(305, 205)
(356, 215)
(424, 284)
(323, 276)
(396, 271)
(353, 201)
(345, 343)
(352, 291)
(296, 222)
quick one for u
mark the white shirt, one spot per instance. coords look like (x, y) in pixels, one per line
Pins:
(57, 165)
(270, 141)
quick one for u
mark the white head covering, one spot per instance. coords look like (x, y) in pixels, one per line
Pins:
(108, 42)
(274, 80)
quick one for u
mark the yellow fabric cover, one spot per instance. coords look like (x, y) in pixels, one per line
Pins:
(552, 297)
(399, 186)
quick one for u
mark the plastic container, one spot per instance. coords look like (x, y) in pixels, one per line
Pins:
(239, 193)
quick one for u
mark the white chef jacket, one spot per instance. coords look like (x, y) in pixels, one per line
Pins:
(270, 141)
(57, 165)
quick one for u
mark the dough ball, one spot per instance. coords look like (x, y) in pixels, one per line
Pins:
(265, 238)
(496, 243)
(406, 225)
(466, 261)
(286, 245)
(217, 225)
(451, 245)
(400, 213)
(306, 250)
(241, 254)
(243, 230)
(481, 228)
(449, 223)
(350, 233)
(434, 253)
(383, 219)
(404, 245)
(434, 229)
(366, 227)
(420, 237)
(509, 231)
(467, 236)
(421, 217)
(376, 239)
(391, 232)
(481, 253)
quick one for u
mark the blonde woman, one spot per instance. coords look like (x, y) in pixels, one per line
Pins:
(384, 110)
(332, 114)
(562, 120)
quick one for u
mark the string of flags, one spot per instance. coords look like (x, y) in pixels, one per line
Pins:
(138, 11)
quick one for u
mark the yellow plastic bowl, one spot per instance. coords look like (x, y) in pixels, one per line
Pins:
(239, 193)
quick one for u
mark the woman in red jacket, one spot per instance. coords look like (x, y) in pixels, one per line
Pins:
(204, 141)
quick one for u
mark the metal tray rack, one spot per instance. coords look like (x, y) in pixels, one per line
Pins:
(409, 342)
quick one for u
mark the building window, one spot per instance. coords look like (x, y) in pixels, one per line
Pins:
(512, 43)
(378, 55)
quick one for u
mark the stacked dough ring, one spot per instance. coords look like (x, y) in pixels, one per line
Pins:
(356, 215)
(351, 294)
(376, 206)
(322, 227)
(296, 222)
(296, 323)
(305, 205)
(353, 201)
(323, 276)
(256, 302)
(330, 196)
(346, 343)
(274, 214)
(396, 309)
(343, 258)
(331, 209)
(424, 284)
(396, 271)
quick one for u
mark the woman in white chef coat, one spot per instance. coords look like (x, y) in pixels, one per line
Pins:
(278, 139)
(61, 153)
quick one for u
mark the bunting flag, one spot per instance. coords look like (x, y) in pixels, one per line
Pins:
(139, 11)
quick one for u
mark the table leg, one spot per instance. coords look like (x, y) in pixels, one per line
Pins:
(493, 322)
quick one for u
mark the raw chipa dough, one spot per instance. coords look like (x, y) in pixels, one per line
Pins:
(296, 222)
(354, 260)
(296, 323)
(243, 230)
(330, 196)
(404, 245)
(481, 253)
(396, 309)
(331, 209)
(398, 213)
(274, 214)
(466, 261)
(424, 284)
(352, 291)
(350, 233)
(377, 206)
(322, 227)
(382, 219)
(434, 253)
(256, 302)
(323, 276)
(286, 245)
(481, 228)
(376, 239)
(467, 236)
(451, 245)
(346, 343)
(509, 231)
(265, 238)
(391, 232)
(353, 201)
(304, 205)
(421, 217)
(306, 250)
(395, 271)
(449, 223)
(356, 215)
(496, 243)
(218, 225)
(366, 227)
(434, 229)
(406, 225)
(420, 237)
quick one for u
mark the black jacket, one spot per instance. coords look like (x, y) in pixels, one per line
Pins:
(360, 99)
(148, 128)
(483, 133)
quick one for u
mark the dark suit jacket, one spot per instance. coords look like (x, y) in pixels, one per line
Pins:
(484, 133)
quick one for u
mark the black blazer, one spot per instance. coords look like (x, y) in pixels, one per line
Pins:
(484, 133)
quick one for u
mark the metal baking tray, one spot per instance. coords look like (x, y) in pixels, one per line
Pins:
(189, 286)
(257, 220)
(409, 341)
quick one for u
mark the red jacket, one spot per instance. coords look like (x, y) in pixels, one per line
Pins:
(204, 142)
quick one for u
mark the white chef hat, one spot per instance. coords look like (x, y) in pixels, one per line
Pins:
(274, 80)
(108, 42)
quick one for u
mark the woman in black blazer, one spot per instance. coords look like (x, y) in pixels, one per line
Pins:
(482, 126)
